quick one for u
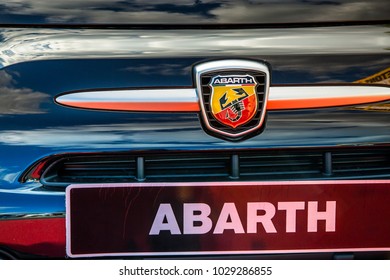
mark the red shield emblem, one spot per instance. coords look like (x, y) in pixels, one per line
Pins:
(233, 99)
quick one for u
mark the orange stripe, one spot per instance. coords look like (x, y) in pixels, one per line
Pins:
(322, 102)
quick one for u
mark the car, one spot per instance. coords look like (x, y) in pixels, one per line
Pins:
(194, 129)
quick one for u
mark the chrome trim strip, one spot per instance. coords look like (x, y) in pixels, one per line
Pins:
(164, 100)
(32, 216)
(186, 99)
(306, 97)
(142, 95)
(316, 92)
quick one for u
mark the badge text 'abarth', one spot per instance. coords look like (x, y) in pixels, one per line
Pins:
(233, 95)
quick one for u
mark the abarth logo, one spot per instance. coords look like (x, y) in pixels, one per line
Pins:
(199, 218)
(233, 97)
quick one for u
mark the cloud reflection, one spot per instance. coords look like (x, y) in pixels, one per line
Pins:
(191, 11)
(105, 136)
(283, 130)
(19, 45)
(19, 101)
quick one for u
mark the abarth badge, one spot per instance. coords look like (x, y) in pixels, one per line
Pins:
(233, 96)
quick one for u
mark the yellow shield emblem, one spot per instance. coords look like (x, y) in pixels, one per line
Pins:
(233, 99)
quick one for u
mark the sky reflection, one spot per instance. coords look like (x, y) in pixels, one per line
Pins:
(190, 11)
(20, 45)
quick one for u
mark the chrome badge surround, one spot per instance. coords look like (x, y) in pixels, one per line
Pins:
(232, 67)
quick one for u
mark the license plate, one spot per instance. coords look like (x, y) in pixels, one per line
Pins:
(227, 218)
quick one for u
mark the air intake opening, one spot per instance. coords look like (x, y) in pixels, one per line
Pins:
(253, 165)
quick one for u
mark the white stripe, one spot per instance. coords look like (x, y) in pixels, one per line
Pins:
(189, 95)
(315, 92)
(136, 95)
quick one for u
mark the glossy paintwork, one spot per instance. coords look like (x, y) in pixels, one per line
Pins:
(30, 204)
(304, 43)
(188, 11)
(32, 125)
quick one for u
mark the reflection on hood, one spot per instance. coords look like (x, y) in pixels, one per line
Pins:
(189, 11)
(300, 130)
(19, 45)
(19, 101)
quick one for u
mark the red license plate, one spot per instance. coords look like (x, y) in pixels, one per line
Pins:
(227, 218)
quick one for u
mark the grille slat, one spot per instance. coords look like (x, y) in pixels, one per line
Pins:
(91, 168)
(254, 165)
(280, 173)
(180, 167)
(186, 176)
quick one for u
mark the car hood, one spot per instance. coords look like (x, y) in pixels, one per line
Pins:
(123, 12)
